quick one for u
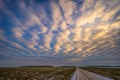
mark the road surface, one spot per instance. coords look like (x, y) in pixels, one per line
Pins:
(80, 74)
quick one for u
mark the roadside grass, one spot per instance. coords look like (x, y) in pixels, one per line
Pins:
(113, 73)
(39, 73)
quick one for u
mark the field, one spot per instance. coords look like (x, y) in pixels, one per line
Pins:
(52, 73)
(31, 73)
(113, 73)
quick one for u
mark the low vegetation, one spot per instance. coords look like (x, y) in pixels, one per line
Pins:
(113, 73)
(31, 73)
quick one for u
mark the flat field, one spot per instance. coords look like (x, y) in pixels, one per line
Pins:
(39, 73)
(113, 73)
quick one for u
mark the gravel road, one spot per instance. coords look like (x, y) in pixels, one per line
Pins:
(80, 74)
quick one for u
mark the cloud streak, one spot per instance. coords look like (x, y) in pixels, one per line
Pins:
(64, 28)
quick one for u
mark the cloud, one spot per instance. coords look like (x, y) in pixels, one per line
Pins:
(67, 9)
(110, 14)
(56, 15)
(4, 39)
(34, 19)
(63, 26)
(48, 40)
(18, 32)
(60, 29)
(2, 34)
(61, 39)
(77, 34)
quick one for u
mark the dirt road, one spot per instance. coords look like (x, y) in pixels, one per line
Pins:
(80, 74)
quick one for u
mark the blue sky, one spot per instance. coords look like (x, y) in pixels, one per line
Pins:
(59, 32)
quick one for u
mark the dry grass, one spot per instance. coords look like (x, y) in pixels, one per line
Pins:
(44, 73)
(113, 73)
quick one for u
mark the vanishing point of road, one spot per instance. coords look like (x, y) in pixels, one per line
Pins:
(80, 74)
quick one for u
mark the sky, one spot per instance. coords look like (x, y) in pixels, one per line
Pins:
(59, 32)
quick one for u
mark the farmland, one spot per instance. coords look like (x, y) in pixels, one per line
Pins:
(113, 73)
(31, 73)
(58, 73)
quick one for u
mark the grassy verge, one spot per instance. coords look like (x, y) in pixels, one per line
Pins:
(113, 73)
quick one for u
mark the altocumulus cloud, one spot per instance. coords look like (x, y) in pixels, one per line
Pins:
(68, 32)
